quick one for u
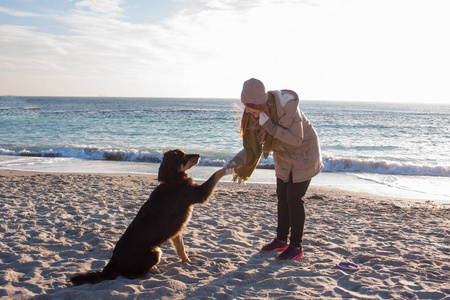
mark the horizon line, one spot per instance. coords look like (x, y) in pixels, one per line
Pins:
(403, 101)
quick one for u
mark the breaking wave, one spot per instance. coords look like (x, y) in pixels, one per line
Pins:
(349, 165)
(331, 164)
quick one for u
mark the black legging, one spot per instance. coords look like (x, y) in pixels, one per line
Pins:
(291, 210)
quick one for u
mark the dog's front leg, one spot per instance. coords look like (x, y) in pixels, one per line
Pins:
(177, 242)
(205, 190)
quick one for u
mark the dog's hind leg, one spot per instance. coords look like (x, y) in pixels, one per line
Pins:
(143, 264)
(154, 270)
(156, 254)
(156, 251)
(177, 242)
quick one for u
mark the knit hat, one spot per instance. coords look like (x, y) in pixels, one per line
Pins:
(253, 92)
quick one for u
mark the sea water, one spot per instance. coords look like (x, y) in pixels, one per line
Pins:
(383, 148)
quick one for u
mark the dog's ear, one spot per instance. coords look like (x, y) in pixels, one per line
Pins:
(162, 172)
(164, 167)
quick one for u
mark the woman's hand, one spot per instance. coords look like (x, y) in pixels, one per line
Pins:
(229, 167)
(263, 118)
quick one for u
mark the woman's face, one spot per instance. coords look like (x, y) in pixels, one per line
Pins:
(252, 111)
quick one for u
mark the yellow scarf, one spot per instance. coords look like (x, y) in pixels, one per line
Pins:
(252, 147)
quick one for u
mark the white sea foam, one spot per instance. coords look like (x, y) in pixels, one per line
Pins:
(331, 164)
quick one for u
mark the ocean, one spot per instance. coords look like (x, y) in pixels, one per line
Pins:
(383, 148)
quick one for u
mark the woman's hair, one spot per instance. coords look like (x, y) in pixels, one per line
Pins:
(261, 107)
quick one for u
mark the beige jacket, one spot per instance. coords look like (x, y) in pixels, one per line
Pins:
(296, 147)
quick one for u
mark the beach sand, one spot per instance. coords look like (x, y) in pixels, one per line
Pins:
(55, 225)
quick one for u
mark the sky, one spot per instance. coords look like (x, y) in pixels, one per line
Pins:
(351, 50)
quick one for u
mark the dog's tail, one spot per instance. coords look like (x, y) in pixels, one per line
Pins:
(110, 272)
(89, 277)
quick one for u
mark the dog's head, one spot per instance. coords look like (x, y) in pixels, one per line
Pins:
(174, 165)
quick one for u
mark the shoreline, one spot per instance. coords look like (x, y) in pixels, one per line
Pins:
(53, 225)
(344, 183)
(313, 189)
(398, 186)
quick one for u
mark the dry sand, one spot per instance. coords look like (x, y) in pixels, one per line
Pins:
(54, 225)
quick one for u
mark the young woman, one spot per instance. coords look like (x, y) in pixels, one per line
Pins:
(273, 122)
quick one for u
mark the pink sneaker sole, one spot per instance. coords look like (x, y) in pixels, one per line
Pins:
(301, 255)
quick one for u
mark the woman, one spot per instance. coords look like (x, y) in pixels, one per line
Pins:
(274, 122)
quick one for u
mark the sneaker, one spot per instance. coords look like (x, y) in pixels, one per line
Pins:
(276, 245)
(291, 253)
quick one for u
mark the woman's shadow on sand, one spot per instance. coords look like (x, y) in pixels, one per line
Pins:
(252, 278)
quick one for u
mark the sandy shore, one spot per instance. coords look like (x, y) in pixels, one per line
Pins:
(54, 225)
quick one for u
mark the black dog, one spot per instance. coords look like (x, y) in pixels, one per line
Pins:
(161, 218)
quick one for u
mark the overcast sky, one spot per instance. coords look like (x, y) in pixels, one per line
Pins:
(359, 50)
